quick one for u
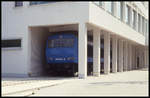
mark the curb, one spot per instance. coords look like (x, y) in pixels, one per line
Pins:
(11, 90)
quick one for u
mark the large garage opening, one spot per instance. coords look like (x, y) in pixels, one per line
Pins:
(38, 42)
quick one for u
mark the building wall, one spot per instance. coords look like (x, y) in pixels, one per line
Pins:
(16, 22)
(106, 21)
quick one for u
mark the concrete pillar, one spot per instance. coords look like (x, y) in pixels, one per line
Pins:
(146, 54)
(114, 54)
(133, 57)
(140, 56)
(82, 50)
(125, 54)
(106, 52)
(96, 52)
(129, 57)
(120, 56)
(145, 58)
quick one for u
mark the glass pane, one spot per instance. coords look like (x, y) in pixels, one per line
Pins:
(134, 19)
(139, 22)
(96, 2)
(100, 3)
(118, 9)
(108, 6)
(127, 14)
(54, 43)
(11, 43)
(39, 2)
(143, 25)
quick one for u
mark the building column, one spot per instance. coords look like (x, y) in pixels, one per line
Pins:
(133, 57)
(82, 50)
(96, 52)
(140, 59)
(145, 58)
(129, 57)
(114, 53)
(120, 55)
(136, 55)
(125, 54)
(106, 52)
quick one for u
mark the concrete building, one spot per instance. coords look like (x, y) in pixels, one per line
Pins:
(26, 25)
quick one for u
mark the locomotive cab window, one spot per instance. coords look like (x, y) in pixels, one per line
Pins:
(55, 43)
(11, 43)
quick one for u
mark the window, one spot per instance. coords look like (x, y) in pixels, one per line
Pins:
(118, 4)
(127, 10)
(122, 11)
(18, 3)
(11, 43)
(108, 6)
(100, 3)
(143, 24)
(139, 23)
(146, 26)
(39, 2)
(96, 2)
(57, 43)
(134, 19)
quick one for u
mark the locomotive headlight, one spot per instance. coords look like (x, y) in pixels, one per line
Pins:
(70, 58)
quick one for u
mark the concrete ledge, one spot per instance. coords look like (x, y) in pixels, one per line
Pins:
(14, 89)
(14, 75)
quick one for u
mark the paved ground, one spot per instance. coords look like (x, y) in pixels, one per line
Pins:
(131, 83)
(26, 86)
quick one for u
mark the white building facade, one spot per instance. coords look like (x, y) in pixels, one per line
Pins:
(124, 25)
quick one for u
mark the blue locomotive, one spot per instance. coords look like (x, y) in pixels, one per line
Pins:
(62, 53)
